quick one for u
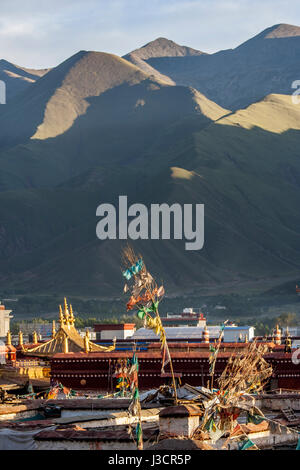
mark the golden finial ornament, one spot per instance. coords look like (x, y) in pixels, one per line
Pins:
(61, 317)
(71, 316)
(8, 338)
(20, 338)
(34, 337)
(66, 312)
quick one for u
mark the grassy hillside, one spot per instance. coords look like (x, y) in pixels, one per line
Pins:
(97, 127)
(233, 166)
(94, 109)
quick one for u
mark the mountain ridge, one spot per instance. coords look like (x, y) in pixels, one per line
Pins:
(264, 64)
(17, 78)
(97, 126)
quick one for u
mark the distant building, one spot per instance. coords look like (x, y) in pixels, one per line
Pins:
(108, 331)
(293, 331)
(189, 317)
(232, 334)
(44, 330)
(92, 333)
(4, 320)
(178, 334)
(235, 334)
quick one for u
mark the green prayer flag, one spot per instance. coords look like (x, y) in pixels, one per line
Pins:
(141, 313)
(246, 444)
(138, 432)
(209, 424)
(155, 306)
(255, 419)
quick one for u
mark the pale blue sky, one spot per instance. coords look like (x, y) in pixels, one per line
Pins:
(39, 33)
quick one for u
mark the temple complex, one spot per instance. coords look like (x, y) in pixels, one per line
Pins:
(30, 361)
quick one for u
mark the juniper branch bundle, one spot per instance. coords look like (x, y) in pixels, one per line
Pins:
(244, 373)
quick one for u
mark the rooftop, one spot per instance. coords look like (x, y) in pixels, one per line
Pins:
(175, 332)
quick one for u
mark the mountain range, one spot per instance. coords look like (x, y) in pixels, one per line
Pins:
(165, 123)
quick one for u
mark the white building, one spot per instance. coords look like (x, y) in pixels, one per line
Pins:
(232, 334)
(92, 333)
(178, 333)
(235, 334)
(4, 320)
(294, 331)
(108, 331)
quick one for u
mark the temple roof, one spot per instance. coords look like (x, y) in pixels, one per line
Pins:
(66, 339)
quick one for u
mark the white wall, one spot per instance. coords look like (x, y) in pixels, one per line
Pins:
(4, 322)
(231, 335)
(119, 334)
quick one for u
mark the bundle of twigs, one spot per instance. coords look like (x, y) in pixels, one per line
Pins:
(245, 372)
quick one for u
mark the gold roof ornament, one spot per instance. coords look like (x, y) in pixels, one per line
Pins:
(20, 338)
(71, 316)
(66, 312)
(61, 316)
(34, 337)
(8, 338)
(66, 339)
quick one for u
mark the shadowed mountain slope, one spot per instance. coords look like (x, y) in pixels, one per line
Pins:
(247, 175)
(94, 109)
(96, 127)
(18, 79)
(234, 78)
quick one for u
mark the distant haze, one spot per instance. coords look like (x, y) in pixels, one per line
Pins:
(40, 34)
